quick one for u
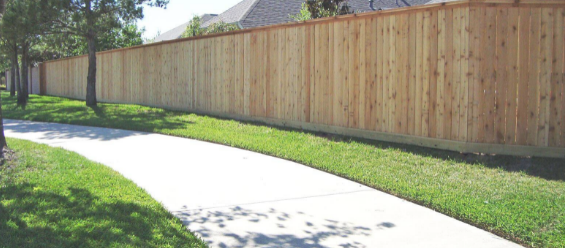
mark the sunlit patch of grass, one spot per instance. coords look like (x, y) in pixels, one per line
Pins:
(522, 199)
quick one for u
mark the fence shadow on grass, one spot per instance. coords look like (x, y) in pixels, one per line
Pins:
(546, 168)
(41, 218)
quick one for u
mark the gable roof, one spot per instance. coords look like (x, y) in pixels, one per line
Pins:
(234, 14)
(256, 13)
(269, 12)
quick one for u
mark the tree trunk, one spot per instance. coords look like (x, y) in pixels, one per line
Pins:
(91, 79)
(3, 142)
(25, 71)
(21, 98)
(13, 79)
(91, 41)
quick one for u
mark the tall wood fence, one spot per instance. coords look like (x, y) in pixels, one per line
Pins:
(472, 76)
(33, 80)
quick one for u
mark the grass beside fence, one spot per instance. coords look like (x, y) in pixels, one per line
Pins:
(522, 199)
(50, 197)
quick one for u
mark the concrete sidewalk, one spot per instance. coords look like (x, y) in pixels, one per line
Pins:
(236, 198)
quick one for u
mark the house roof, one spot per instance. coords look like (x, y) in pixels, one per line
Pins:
(234, 14)
(176, 32)
(269, 12)
(256, 13)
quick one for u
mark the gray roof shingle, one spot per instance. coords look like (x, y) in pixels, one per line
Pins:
(234, 14)
(269, 12)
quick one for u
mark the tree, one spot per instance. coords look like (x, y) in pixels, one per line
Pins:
(91, 18)
(312, 9)
(303, 15)
(3, 143)
(26, 30)
(21, 26)
(12, 78)
(194, 28)
(220, 27)
(62, 45)
(8, 62)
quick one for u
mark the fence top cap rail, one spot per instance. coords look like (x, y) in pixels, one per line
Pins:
(336, 18)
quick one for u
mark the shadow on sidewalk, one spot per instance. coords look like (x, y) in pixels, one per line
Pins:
(57, 131)
(313, 236)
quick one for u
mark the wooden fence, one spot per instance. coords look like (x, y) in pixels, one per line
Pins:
(33, 80)
(471, 76)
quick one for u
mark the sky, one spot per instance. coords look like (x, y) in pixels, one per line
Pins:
(179, 12)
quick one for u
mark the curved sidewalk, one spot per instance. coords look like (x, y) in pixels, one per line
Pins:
(236, 198)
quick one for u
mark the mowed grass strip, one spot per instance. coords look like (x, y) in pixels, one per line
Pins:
(50, 197)
(522, 199)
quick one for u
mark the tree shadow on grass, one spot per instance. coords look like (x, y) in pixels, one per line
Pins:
(99, 111)
(32, 217)
(69, 112)
(149, 121)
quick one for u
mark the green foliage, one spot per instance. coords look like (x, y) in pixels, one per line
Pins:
(61, 45)
(127, 36)
(41, 24)
(88, 18)
(312, 9)
(220, 27)
(194, 28)
(20, 27)
(51, 197)
(5, 63)
(22, 21)
(303, 15)
(501, 194)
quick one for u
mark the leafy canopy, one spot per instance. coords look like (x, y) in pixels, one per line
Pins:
(90, 18)
(22, 21)
(312, 9)
(61, 45)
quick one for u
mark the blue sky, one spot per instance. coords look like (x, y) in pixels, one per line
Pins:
(179, 12)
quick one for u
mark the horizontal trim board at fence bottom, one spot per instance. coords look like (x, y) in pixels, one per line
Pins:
(450, 145)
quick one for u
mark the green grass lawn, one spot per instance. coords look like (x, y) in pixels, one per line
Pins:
(522, 199)
(50, 197)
